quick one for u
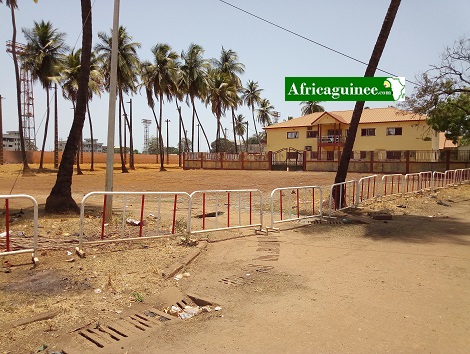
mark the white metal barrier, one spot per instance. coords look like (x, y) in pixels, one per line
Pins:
(296, 203)
(366, 188)
(451, 177)
(7, 250)
(225, 209)
(438, 179)
(412, 183)
(161, 222)
(342, 196)
(426, 180)
(392, 185)
(466, 175)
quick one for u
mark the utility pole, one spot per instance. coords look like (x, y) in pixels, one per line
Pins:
(112, 111)
(1, 131)
(197, 125)
(167, 142)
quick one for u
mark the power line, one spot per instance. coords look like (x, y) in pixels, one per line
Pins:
(307, 39)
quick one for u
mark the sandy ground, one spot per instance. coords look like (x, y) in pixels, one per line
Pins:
(353, 285)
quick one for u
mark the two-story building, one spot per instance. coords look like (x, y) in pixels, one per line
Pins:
(387, 130)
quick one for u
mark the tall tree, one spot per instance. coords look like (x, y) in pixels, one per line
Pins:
(358, 108)
(443, 93)
(251, 97)
(12, 4)
(265, 112)
(230, 66)
(60, 199)
(194, 78)
(127, 72)
(164, 80)
(220, 95)
(241, 127)
(309, 107)
(45, 48)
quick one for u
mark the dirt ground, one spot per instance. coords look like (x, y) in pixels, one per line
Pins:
(353, 284)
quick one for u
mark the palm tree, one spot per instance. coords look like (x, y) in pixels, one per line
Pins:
(60, 199)
(241, 127)
(194, 80)
(127, 74)
(12, 4)
(220, 95)
(265, 112)
(164, 76)
(251, 96)
(69, 77)
(44, 53)
(230, 66)
(358, 108)
(309, 107)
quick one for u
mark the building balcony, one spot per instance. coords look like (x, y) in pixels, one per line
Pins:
(331, 140)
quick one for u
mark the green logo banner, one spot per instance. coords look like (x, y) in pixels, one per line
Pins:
(345, 88)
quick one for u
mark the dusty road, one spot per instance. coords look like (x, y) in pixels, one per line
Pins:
(399, 285)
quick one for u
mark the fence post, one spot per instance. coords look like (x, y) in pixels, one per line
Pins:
(270, 160)
(371, 169)
(407, 161)
(304, 161)
(242, 157)
(447, 159)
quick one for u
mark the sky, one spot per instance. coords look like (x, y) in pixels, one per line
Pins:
(421, 31)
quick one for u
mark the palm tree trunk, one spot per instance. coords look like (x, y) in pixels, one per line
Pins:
(256, 129)
(356, 116)
(131, 139)
(160, 135)
(92, 168)
(128, 124)
(192, 124)
(56, 129)
(217, 136)
(46, 126)
(234, 131)
(79, 170)
(203, 131)
(123, 162)
(60, 199)
(26, 169)
(182, 125)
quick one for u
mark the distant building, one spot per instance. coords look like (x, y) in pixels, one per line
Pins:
(11, 141)
(86, 145)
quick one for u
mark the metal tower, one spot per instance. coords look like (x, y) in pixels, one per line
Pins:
(146, 123)
(27, 99)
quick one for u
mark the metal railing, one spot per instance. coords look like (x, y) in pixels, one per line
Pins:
(8, 247)
(366, 188)
(225, 209)
(296, 203)
(342, 196)
(164, 207)
(392, 185)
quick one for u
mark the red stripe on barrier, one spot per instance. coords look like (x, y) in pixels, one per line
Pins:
(174, 214)
(313, 201)
(280, 202)
(228, 209)
(103, 216)
(203, 211)
(141, 224)
(7, 224)
(354, 194)
(298, 204)
(250, 207)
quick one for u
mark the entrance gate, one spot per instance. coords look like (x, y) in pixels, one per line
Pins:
(287, 159)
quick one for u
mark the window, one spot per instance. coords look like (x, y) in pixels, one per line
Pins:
(292, 135)
(308, 148)
(368, 132)
(393, 155)
(394, 131)
(363, 155)
(312, 134)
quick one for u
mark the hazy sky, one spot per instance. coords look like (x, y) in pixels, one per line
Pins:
(421, 31)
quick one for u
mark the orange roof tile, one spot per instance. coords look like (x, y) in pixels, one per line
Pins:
(369, 115)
